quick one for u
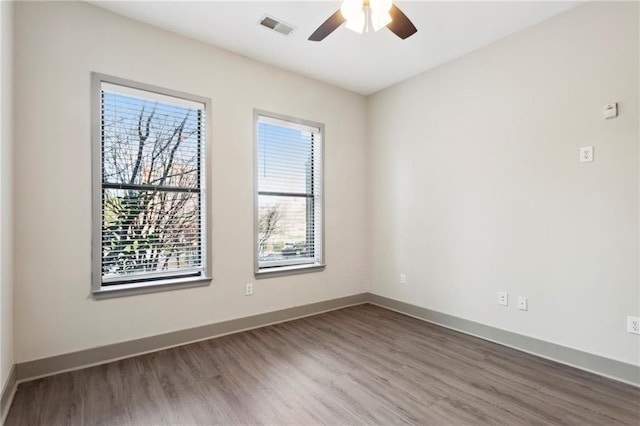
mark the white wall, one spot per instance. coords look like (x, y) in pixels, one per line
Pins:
(6, 201)
(476, 186)
(57, 46)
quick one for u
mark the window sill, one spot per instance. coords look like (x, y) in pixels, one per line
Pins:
(119, 290)
(289, 270)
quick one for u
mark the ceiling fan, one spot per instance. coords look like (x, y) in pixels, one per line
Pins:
(367, 15)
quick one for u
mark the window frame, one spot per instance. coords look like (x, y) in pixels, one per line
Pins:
(293, 266)
(152, 283)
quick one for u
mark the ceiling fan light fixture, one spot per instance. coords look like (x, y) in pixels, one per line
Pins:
(380, 6)
(357, 22)
(366, 15)
(351, 9)
(380, 16)
(363, 16)
(379, 20)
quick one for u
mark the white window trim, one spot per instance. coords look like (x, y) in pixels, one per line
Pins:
(97, 287)
(294, 266)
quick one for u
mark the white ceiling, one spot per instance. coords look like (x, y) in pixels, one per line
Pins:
(360, 63)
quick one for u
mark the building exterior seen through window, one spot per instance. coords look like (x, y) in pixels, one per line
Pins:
(289, 192)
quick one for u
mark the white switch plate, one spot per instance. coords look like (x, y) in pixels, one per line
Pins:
(586, 154)
(503, 298)
(248, 289)
(522, 303)
(610, 111)
(403, 279)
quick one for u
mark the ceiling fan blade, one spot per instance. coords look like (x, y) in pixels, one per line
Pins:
(328, 26)
(401, 25)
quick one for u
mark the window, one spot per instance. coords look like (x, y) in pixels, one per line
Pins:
(288, 199)
(149, 186)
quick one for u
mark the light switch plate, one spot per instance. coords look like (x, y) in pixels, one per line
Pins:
(610, 111)
(586, 154)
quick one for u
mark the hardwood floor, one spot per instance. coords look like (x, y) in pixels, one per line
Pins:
(359, 365)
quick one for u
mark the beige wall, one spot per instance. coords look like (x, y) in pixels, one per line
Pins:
(6, 200)
(470, 171)
(476, 185)
(57, 46)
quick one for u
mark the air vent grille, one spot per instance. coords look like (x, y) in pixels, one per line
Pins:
(276, 25)
(269, 22)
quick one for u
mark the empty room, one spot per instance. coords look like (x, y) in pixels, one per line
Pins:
(335, 212)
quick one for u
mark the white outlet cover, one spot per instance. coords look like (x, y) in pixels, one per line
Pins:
(403, 279)
(248, 289)
(503, 298)
(633, 325)
(586, 154)
(522, 303)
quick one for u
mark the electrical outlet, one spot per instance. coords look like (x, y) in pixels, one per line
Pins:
(586, 154)
(522, 303)
(633, 325)
(248, 289)
(503, 298)
(403, 279)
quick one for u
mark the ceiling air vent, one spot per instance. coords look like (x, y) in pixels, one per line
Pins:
(276, 25)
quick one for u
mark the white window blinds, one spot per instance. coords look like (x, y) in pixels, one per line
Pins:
(289, 193)
(152, 171)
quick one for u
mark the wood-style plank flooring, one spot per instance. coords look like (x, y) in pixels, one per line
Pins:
(359, 365)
